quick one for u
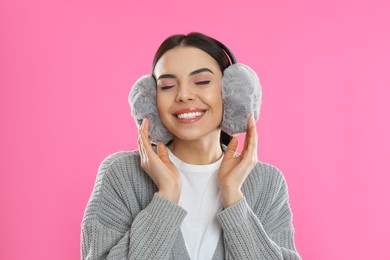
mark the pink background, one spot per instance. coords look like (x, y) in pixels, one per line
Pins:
(67, 68)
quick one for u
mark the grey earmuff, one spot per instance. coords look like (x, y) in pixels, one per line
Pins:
(241, 96)
(143, 103)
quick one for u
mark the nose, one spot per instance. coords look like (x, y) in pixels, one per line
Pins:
(185, 94)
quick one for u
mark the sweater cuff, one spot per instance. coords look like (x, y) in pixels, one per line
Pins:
(234, 215)
(165, 210)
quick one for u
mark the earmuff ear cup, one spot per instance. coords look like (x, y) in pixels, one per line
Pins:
(241, 96)
(143, 103)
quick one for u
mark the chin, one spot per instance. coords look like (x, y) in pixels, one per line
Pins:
(192, 132)
(195, 135)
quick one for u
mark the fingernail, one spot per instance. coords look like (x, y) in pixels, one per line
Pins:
(250, 116)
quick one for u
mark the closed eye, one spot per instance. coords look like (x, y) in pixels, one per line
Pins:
(205, 82)
(166, 87)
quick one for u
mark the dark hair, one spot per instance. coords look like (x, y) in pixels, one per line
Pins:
(197, 40)
(200, 41)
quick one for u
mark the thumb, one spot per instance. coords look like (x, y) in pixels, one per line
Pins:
(163, 153)
(232, 148)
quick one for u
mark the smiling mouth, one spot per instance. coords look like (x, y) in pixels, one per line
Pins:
(190, 115)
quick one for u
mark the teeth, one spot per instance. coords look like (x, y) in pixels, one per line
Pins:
(190, 115)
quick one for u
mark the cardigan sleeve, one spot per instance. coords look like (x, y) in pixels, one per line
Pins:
(110, 231)
(271, 238)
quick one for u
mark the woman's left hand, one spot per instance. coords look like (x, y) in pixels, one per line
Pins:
(234, 170)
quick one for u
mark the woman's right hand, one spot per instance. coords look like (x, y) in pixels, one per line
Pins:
(158, 166)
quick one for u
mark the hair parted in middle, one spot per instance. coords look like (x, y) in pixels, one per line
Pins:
(197, 40)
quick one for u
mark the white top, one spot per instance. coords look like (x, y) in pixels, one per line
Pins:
(200, 197)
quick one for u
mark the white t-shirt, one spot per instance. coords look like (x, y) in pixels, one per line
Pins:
(200, 197)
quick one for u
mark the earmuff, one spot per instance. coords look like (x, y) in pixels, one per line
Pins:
(241, 96)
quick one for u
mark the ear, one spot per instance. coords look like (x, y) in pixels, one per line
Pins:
(143, 103)
(241, 96)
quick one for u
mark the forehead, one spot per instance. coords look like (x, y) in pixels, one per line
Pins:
(184, 60)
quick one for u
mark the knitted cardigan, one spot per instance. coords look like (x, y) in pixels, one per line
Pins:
(126, 219)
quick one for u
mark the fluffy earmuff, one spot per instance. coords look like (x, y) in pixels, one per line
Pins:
(143, 103)
(241, 96)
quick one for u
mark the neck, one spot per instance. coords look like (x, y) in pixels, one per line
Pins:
(200, 151)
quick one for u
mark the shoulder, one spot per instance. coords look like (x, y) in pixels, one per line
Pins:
(266, 182)
(122, 172)
(116, 184)
(122, 161)
(117, 168)
(267, 171)
(119, 158)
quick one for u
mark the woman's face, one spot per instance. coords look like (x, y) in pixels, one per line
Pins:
(189, 97)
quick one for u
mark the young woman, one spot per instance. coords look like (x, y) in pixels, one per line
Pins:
(192, 197)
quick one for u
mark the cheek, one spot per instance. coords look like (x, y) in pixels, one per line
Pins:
(218, 94)
(160, 104)
(214, 98)
(162, 101)
(163, 104)
(161, 109)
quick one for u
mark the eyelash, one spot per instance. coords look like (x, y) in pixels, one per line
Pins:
(166, 87)
(204, 82)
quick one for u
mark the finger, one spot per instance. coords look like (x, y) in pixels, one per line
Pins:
(146, 143)
(252, 143)
(248, 130)
(139, 141)
(163, 153)
(141, 150)
(232, 148)
(145, 127)
(251, 137)
(142, 124)
(142, 146)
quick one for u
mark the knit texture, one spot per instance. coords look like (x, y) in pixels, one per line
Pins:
(126, 219)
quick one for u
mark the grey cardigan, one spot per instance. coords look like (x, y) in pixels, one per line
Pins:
(126, 219)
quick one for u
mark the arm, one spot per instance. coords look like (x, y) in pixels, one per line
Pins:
(245, 235)
(272, 237)
(110, 230)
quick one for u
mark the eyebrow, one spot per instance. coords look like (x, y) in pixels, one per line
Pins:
(165, 76)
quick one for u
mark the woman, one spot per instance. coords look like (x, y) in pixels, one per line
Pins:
(191, 197)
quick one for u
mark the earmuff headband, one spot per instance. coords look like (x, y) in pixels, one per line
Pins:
(228, 53)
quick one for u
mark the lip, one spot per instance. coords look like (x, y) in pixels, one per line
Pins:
(189, 110)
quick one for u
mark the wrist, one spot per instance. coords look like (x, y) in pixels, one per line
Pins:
(231, 196)
(172, 194)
